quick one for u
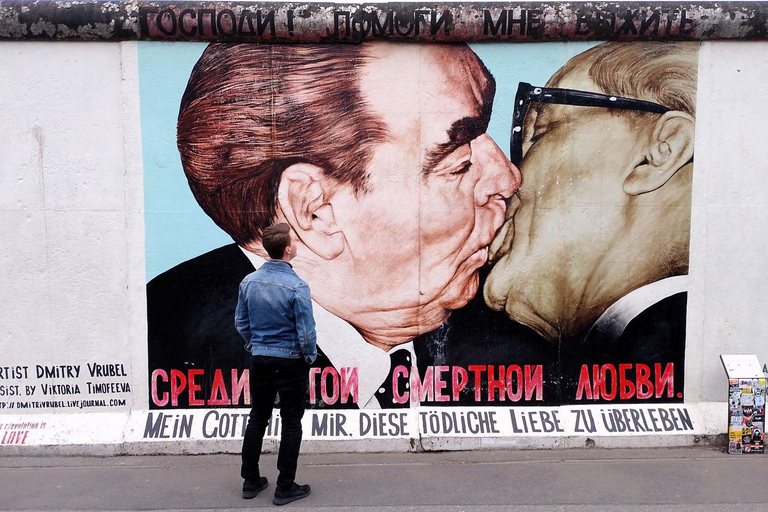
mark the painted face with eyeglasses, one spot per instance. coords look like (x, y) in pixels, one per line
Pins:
(564, 254)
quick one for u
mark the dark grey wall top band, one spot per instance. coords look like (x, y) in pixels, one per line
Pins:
(354, 23)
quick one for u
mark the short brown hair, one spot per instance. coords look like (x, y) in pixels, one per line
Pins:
(661, 72)
(251, 110)
(275, 239)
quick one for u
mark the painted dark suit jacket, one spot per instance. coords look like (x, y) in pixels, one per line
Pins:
(191, 320)
(475, 334)
(654, 336)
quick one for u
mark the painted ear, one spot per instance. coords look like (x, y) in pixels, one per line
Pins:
(669, 149)
(303, 198)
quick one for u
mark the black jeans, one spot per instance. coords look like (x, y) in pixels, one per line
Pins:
(270, 376)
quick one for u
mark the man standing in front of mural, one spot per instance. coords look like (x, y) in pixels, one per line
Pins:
(274, 316)
(376, 156)
(594, 255)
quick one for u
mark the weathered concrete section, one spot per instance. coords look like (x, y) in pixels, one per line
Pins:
(88, 21)
(424, 445)
(354, 23)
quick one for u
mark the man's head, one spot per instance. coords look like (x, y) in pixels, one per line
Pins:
(277, 241)
(605, 202)
(375, 155)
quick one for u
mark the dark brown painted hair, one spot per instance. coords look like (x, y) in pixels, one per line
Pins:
(250, 111)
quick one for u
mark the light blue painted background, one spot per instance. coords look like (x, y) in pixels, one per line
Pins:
(176, 227)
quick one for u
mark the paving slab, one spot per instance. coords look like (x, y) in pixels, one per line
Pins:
(595, 480)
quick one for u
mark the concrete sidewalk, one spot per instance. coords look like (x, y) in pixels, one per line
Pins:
(684, 479)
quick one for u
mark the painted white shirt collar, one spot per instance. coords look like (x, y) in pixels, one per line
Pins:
(616, 318)
(346, 348)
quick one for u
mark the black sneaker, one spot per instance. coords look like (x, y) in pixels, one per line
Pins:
(295, 493)
(253, 487)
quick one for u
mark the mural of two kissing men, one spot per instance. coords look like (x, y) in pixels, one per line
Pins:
(443, 269)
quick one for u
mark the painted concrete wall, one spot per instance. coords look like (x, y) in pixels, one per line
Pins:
(74, 263)
(72, 226)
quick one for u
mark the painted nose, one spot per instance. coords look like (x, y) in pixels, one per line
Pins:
(499, 178)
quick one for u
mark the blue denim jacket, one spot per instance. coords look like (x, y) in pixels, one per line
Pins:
(274, 313)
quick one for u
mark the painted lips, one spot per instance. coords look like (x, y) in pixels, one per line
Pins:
(481, 255)
(502, 243)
